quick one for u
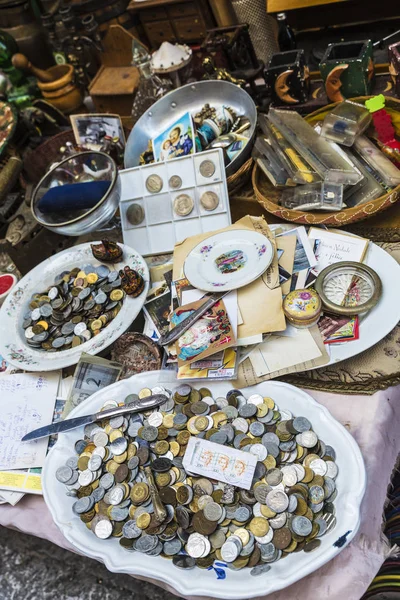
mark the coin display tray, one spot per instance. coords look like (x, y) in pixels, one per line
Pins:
(162, 227)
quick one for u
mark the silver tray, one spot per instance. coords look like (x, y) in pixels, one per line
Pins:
(190, 98)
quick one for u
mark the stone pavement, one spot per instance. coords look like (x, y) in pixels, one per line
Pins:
(34, 569)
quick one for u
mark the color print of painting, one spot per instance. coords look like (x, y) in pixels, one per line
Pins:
(176, 141)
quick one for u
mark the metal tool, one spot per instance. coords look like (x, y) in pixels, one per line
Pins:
(180, 329)
(140, 405)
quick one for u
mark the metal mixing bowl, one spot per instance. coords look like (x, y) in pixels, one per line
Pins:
(77, 169)
(191, 98)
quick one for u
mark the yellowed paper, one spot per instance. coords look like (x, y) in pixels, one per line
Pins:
(247, 376)
(287, 243)
(259, 305)
(279, 353)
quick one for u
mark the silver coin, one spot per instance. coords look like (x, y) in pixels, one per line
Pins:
(259, 570)
(35, 314)
(107, 481)
(86, 477)
(183, 205)
(135, 214)
(46, 310)
(209, 200)
(277, 501)
(154, 184)
(308, 439)
(319, 466)
(80, 328)
(29, 333)
(146, 543)
(172, 547)
(207, 168)
(131, 531)
(196, 545)
(301, 526)
(115, 495)
(212, 511)
(52, 293)
(175, 182)
(229, 551)
(100, 439)
(119, 445)
(103, 529)
(301, 424)
(101, 298)
(150, 433)
(58, 342)
(316, 494)
(331, 469)
(95, 462)
(63, 474)
(83, 505)
(184, 562)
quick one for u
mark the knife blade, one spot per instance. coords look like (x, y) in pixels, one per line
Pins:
(141, 405)
(184, 325)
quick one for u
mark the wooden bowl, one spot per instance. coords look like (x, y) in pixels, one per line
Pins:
(268, 196)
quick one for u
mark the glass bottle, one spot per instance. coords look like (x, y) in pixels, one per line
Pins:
(8, 47)
(151, 87)
(286, 37)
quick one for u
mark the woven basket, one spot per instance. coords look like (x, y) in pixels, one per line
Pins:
(240, 178)
(268, 196)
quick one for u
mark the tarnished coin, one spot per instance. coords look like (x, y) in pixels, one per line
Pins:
(175, 182)
(135, 214)
(260, 570)
(207, 168)
(209, 200)
(154, 184)
(184, 562)
(183, 205)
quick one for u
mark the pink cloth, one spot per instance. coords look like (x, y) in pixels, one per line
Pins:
(374, 421)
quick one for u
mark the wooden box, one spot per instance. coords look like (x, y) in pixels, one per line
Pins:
(113, 88)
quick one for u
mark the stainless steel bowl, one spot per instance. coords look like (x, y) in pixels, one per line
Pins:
(191, 98)
(77, 169)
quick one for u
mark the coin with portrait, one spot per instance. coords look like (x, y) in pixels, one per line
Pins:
(209, 200)
(154, 184)
(183, 205)
(135, 214)
(175, 182)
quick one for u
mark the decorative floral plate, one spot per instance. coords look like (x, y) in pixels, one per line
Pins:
(228, 260)
(13, 346)
(217, 581)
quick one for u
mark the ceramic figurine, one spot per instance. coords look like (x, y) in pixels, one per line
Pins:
(394, 66)
(287, 77)
(348, 70)
(107, 251)
(132, 282)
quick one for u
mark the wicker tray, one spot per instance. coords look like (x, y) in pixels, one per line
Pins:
(268, 196)
(240, 178)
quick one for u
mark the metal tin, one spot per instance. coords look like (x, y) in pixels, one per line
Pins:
(302, 308)
(348, 288)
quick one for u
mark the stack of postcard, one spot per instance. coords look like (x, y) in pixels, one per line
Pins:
(252, 341)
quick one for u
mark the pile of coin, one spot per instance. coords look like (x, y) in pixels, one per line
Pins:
(78, 306)
(130, 483)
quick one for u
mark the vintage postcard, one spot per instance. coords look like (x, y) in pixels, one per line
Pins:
(330, 247)
(304, 257)
(158, 310)
(176, 141)
(91, 129)
(211, 333)
(222, 365)
(222, 463)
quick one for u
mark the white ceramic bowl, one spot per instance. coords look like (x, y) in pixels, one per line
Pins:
(350, 481)
(13, 346)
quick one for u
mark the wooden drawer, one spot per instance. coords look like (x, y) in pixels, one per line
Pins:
(182, 10)
(158, 32)
(153, 14)
(190, 29)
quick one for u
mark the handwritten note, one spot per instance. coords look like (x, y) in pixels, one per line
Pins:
(220, 462)
(331, 247)
(26, 403)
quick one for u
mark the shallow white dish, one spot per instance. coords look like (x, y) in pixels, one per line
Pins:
(228, 260)
(350, 481)
(13, 346)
